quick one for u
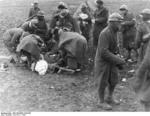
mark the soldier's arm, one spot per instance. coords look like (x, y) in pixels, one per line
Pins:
(30, 13)
(42, 30)
(53, 22)
(103, 18)
(106, 54)
(138, 39)
(76, 26)
(131, 21)
(15, 38)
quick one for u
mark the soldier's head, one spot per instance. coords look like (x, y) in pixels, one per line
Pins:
(40, 15)
(35, 4)
(84, 8)
(123, 9)
(64, 13)
(115, 20)
(99, 3)
(145, 14)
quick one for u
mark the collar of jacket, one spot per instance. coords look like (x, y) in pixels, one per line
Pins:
(112, 28)
(101, 9)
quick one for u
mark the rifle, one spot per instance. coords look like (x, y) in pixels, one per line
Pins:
(27, 20)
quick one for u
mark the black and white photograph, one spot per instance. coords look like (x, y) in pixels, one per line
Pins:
(74, 56)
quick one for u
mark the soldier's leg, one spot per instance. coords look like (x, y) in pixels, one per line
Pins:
(96, 32)
(101, 92)
(103, 83)
(113, 81)
(145, 105)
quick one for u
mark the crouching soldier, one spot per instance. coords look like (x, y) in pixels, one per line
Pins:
(11, 39)
(73, 47)
(30, 47)
(107, 62)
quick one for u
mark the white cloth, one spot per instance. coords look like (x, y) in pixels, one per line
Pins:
(41, 67)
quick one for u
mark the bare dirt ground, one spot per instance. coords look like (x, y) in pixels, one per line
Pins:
(22, 90)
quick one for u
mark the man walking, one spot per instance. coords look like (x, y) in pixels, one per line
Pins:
(107, 62)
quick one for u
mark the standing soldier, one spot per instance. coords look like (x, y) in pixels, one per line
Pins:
(128, 30)
(34, 10)
(107, 62)
(60, 7)
(142, 31)
(101, 17)
(85, 21)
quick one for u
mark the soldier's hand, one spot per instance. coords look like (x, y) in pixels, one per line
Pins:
(120, 67)
(93, 21)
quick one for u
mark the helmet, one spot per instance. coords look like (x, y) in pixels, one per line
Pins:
(115, 17)
(123, 7)
(40, 13)
(146, 11)
(99, 2)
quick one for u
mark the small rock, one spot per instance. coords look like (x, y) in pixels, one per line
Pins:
(52, 87)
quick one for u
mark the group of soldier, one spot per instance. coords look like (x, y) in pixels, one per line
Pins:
(64, 43)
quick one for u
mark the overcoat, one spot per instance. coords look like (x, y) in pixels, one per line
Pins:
(75, 45)
(101, 18)
(128, 31)
(11, 38)
(30, 45)
(141, 81)
(143, 29)
(106, 60)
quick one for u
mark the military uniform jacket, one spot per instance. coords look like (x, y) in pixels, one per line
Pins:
(75, 45)
(143, 29)
(12, 36)
(101, 16)
(128, 31)
(68, 22)
(33, 12)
